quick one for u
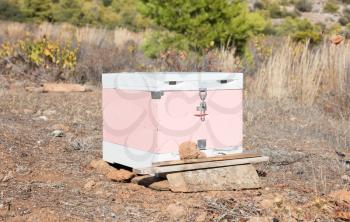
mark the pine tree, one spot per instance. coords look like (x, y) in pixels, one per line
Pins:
(68, 11)
(202, 24)
(37, 10)
(9, 10)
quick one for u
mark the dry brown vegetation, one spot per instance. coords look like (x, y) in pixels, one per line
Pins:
(320, 74)
(296, 112)
(282, 69)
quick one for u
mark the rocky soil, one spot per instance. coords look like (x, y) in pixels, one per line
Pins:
(49, 143)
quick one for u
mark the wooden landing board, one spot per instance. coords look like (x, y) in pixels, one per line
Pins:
(208, 159)
(202, 165)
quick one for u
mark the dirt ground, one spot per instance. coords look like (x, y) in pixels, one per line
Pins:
(44, 178)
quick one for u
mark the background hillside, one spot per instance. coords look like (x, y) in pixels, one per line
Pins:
(102, 13)
(328, 14)
(283, 47)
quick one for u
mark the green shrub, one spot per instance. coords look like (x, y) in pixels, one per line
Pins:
(158, 42)
(10, 10)
(68, 11)
(345, 19)
(41, 53)
(37, 10)
(322, 26)
(130, 16)
(303, 5)
(103, 13)
(275, 11)
(300, 30)
(285, 2)
(303, 36)
(258, 5)
(334, 29)
(205, 24)
(330, 7)
(107, 3)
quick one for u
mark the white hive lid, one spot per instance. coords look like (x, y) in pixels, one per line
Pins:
(172, 81)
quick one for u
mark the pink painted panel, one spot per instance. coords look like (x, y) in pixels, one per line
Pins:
(128, 119)
(222, 127)
(133, 119)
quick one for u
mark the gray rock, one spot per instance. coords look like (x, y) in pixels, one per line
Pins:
(160, 185)
(44, 118)
(57, 133)
(49, 112)
(281, 156)
(224, 178)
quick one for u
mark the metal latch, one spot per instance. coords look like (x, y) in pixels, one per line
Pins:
(202, 144)
(157, 94)
(202, 108)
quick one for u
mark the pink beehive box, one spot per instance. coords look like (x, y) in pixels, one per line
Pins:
(146, 116)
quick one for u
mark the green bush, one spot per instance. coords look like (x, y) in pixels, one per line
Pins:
(304, 5)
(10, 10)
(285, 2)
(275, 10)
(270, 8)
(205, 24)
(158, 42)
(300, 30)
(107, 2)
(258, 5)
(345, 19)
(37, 10)
(330, 7)
(103, 13)
(333, 29)
(41, 52)
(304, 36)
(68, 11)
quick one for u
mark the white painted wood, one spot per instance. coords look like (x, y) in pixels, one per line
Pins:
(164, 81)
(196, 166)
(131, 157)
(136, 158)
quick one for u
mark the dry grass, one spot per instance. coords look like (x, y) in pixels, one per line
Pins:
(12, 31)
(308, 75)
(291, 72)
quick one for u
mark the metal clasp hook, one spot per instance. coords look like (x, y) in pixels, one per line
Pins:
(202, 108)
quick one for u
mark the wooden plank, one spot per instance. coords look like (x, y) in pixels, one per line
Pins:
(63, 87)
(196, 166)
(208, 159)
